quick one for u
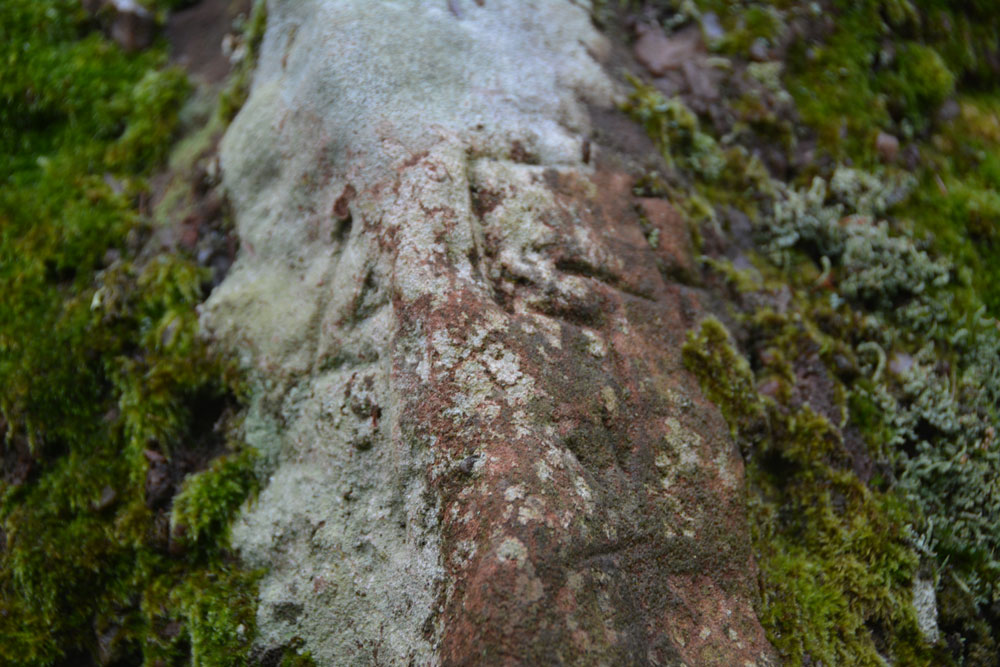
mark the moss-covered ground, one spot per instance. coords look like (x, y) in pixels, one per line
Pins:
(861, 377)
(122, 463)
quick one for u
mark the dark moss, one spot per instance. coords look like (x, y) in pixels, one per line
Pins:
(109, 394)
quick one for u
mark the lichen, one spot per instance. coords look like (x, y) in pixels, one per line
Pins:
(868, 315)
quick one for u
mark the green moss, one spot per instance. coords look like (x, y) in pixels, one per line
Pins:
(934, 427)
(920, 81)
(758, 23)
(153, 107)
(934, 424)
(238, 88)
(865, 77)
(733, 391)
(208, 500)
(957, 205)
(293, 658)
(219, 612)
(107, 386)
(834, 558)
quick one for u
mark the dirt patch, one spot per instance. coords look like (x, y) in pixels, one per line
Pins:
(196, 36)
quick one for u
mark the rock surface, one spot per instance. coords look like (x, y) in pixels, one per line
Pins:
(483, 445)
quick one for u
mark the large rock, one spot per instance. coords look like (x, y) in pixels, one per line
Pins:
(485, 448)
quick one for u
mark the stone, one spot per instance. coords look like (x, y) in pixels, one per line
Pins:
(201, 39)
(133, 30)
(659, 53)
(675, 256)
(887, 146)
(479, 439)
(760, 50)
(949, 111)
(700, 81)
(711, 28)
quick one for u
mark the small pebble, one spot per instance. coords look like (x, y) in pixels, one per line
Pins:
(887, 146)
(769, 388)
(711, 27)
(108, 497)
(949, 111)
(900, 363)
(759, 50)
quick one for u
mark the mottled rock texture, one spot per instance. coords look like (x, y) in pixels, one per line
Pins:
(484, 448)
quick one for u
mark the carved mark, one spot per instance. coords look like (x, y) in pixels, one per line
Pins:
(368, 299)
(590, 311)
(484, 200)
(593, 447)
(518, 153)
(413, 160)
(474, 262)
(342, 230)
(580, 267)
(287, 612)
(341, 207)
(505, 288)
(341, 214)
(289, 41)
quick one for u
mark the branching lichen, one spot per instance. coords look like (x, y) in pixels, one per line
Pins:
(869, 317)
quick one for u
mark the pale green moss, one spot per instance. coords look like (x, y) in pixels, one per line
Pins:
(733, 391)
(676, 131)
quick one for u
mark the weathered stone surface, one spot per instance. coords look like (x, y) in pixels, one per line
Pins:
(485, 448)
(660, 53)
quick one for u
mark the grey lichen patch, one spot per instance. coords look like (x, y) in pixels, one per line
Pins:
(925, 604)
(344, 525)
(840, 220)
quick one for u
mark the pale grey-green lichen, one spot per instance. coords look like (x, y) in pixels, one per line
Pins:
(942, 424)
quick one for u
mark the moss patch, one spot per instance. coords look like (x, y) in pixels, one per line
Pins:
(110, 398)
(835, 562)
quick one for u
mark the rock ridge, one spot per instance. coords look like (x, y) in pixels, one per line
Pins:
(483, 446)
